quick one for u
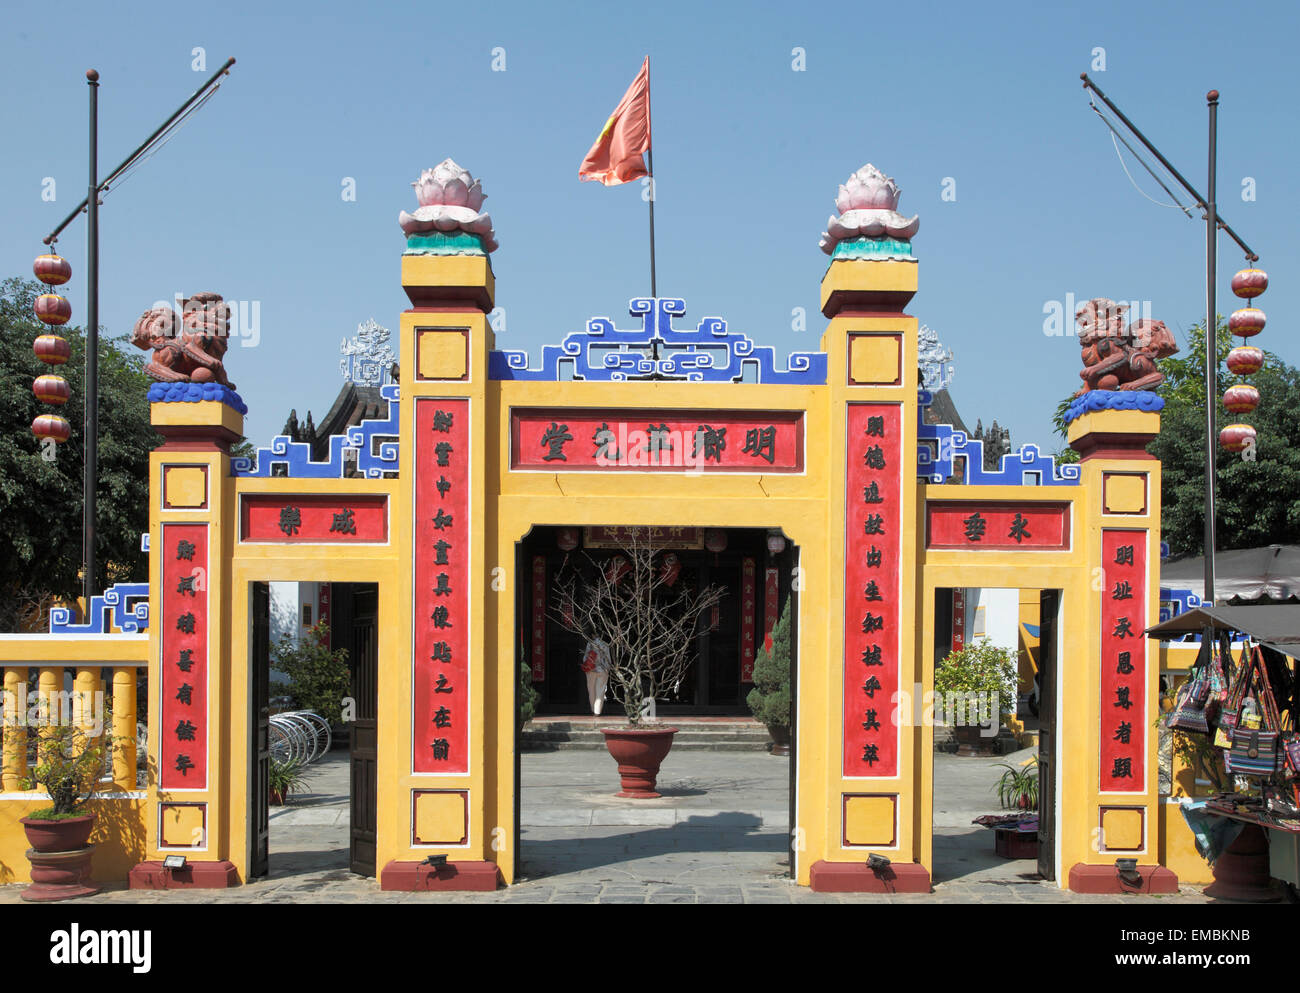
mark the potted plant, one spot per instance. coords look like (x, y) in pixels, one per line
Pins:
(971, 686)
(769, 700)
(644, 614)
(1018, 788)
(285, 776)
(70, 767)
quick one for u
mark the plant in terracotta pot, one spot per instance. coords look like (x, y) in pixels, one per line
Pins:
(1017, 789)
(639, 616)
(973, 688)
(72, 755)
(285, 776)
(769, 700)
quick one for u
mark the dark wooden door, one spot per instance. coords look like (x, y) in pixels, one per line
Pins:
(1048, 607)
(260, 746)
(364, 659)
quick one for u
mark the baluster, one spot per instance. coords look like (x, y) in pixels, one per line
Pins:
(15, 729)
(124, 720)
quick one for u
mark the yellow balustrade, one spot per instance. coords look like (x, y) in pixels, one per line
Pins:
(124, 720)
(48, 688)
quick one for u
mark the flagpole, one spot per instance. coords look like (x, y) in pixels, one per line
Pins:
(650, 171)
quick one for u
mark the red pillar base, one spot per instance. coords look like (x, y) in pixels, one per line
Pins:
(1105, 879)
(1242, 871)
(855, 877)
(195, 876)
(477, 877)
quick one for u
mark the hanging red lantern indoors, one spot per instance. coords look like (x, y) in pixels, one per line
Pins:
(1235, 437)
(1245, 360)
(51, 426)
(51, 389)
(715, 540)
(1250, 283)
(567, 539)
(1247, 322)
(1241, 399)
(52, 270)
(52, 309)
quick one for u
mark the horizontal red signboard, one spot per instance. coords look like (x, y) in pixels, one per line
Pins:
(657, 440)
(313, 518)
(976, 525)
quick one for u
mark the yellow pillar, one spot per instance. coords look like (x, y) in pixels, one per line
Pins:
(1110, 803)
(15, 729)
(439, 792)
(873, 782)
(192, 809)
(124, 721)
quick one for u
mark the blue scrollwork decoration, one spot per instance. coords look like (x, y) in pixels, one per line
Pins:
(126, 603)
(1113, 400)
(942, 445)
(1174, 602)
(709, 353)
(375, 441)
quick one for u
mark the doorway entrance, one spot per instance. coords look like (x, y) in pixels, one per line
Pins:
(727, 800)
(331, 821)
(983, 829)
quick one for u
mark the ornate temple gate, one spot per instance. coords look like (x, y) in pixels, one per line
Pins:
(656, 426)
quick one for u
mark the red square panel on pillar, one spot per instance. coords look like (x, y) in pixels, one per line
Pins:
(443, 531)
(872, 589)
(1124, 717)
(183, 753)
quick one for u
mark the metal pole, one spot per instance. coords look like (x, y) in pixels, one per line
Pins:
(91, 419)
(650, 170)
(1200, 200)
(50, 238)
(1211, 345)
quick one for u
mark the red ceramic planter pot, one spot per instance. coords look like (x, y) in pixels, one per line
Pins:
(639, 752)
(60, 857)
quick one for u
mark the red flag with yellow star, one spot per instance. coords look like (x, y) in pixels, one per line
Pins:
(617, 155)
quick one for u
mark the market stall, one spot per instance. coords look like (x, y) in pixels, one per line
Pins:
(1239, 706)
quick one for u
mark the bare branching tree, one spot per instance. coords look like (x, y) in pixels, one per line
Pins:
(646, 616)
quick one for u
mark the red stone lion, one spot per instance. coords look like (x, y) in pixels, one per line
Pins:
(187, 347)
(1116, 357)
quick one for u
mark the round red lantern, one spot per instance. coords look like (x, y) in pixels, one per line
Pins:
(1250, 283)
(52, 270)
(52, 349)
(1247, 322)
(1244, 360)
(1241, 399)
(51, 389)
(53, 309)
(51, 426)
(715, 539)
(1235, 437)
(567, 539)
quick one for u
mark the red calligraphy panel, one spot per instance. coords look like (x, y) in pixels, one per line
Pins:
(1123, 661)
(183, 751)
(657, 440)
(315, 519)
(748, 592)
(872, 589)
(974, 525)
(538, 654)
(443, 531)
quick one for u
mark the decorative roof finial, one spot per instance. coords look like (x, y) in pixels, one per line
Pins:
(869, 225)
(448, 220)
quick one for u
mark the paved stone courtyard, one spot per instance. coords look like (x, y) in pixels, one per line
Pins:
(718, 835)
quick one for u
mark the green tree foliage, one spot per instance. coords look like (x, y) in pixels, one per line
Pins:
(41, 501)
(769, 700)
(1258, 502)
(319, 679)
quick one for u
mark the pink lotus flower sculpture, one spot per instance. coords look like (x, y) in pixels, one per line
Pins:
(450, 199)
(868, 206)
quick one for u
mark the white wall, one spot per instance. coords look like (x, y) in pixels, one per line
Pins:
(994, 614)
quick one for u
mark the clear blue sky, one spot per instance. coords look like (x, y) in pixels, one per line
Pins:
(748, 154)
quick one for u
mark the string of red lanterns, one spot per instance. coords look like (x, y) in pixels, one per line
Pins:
(1244, 360)
(52, 349)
